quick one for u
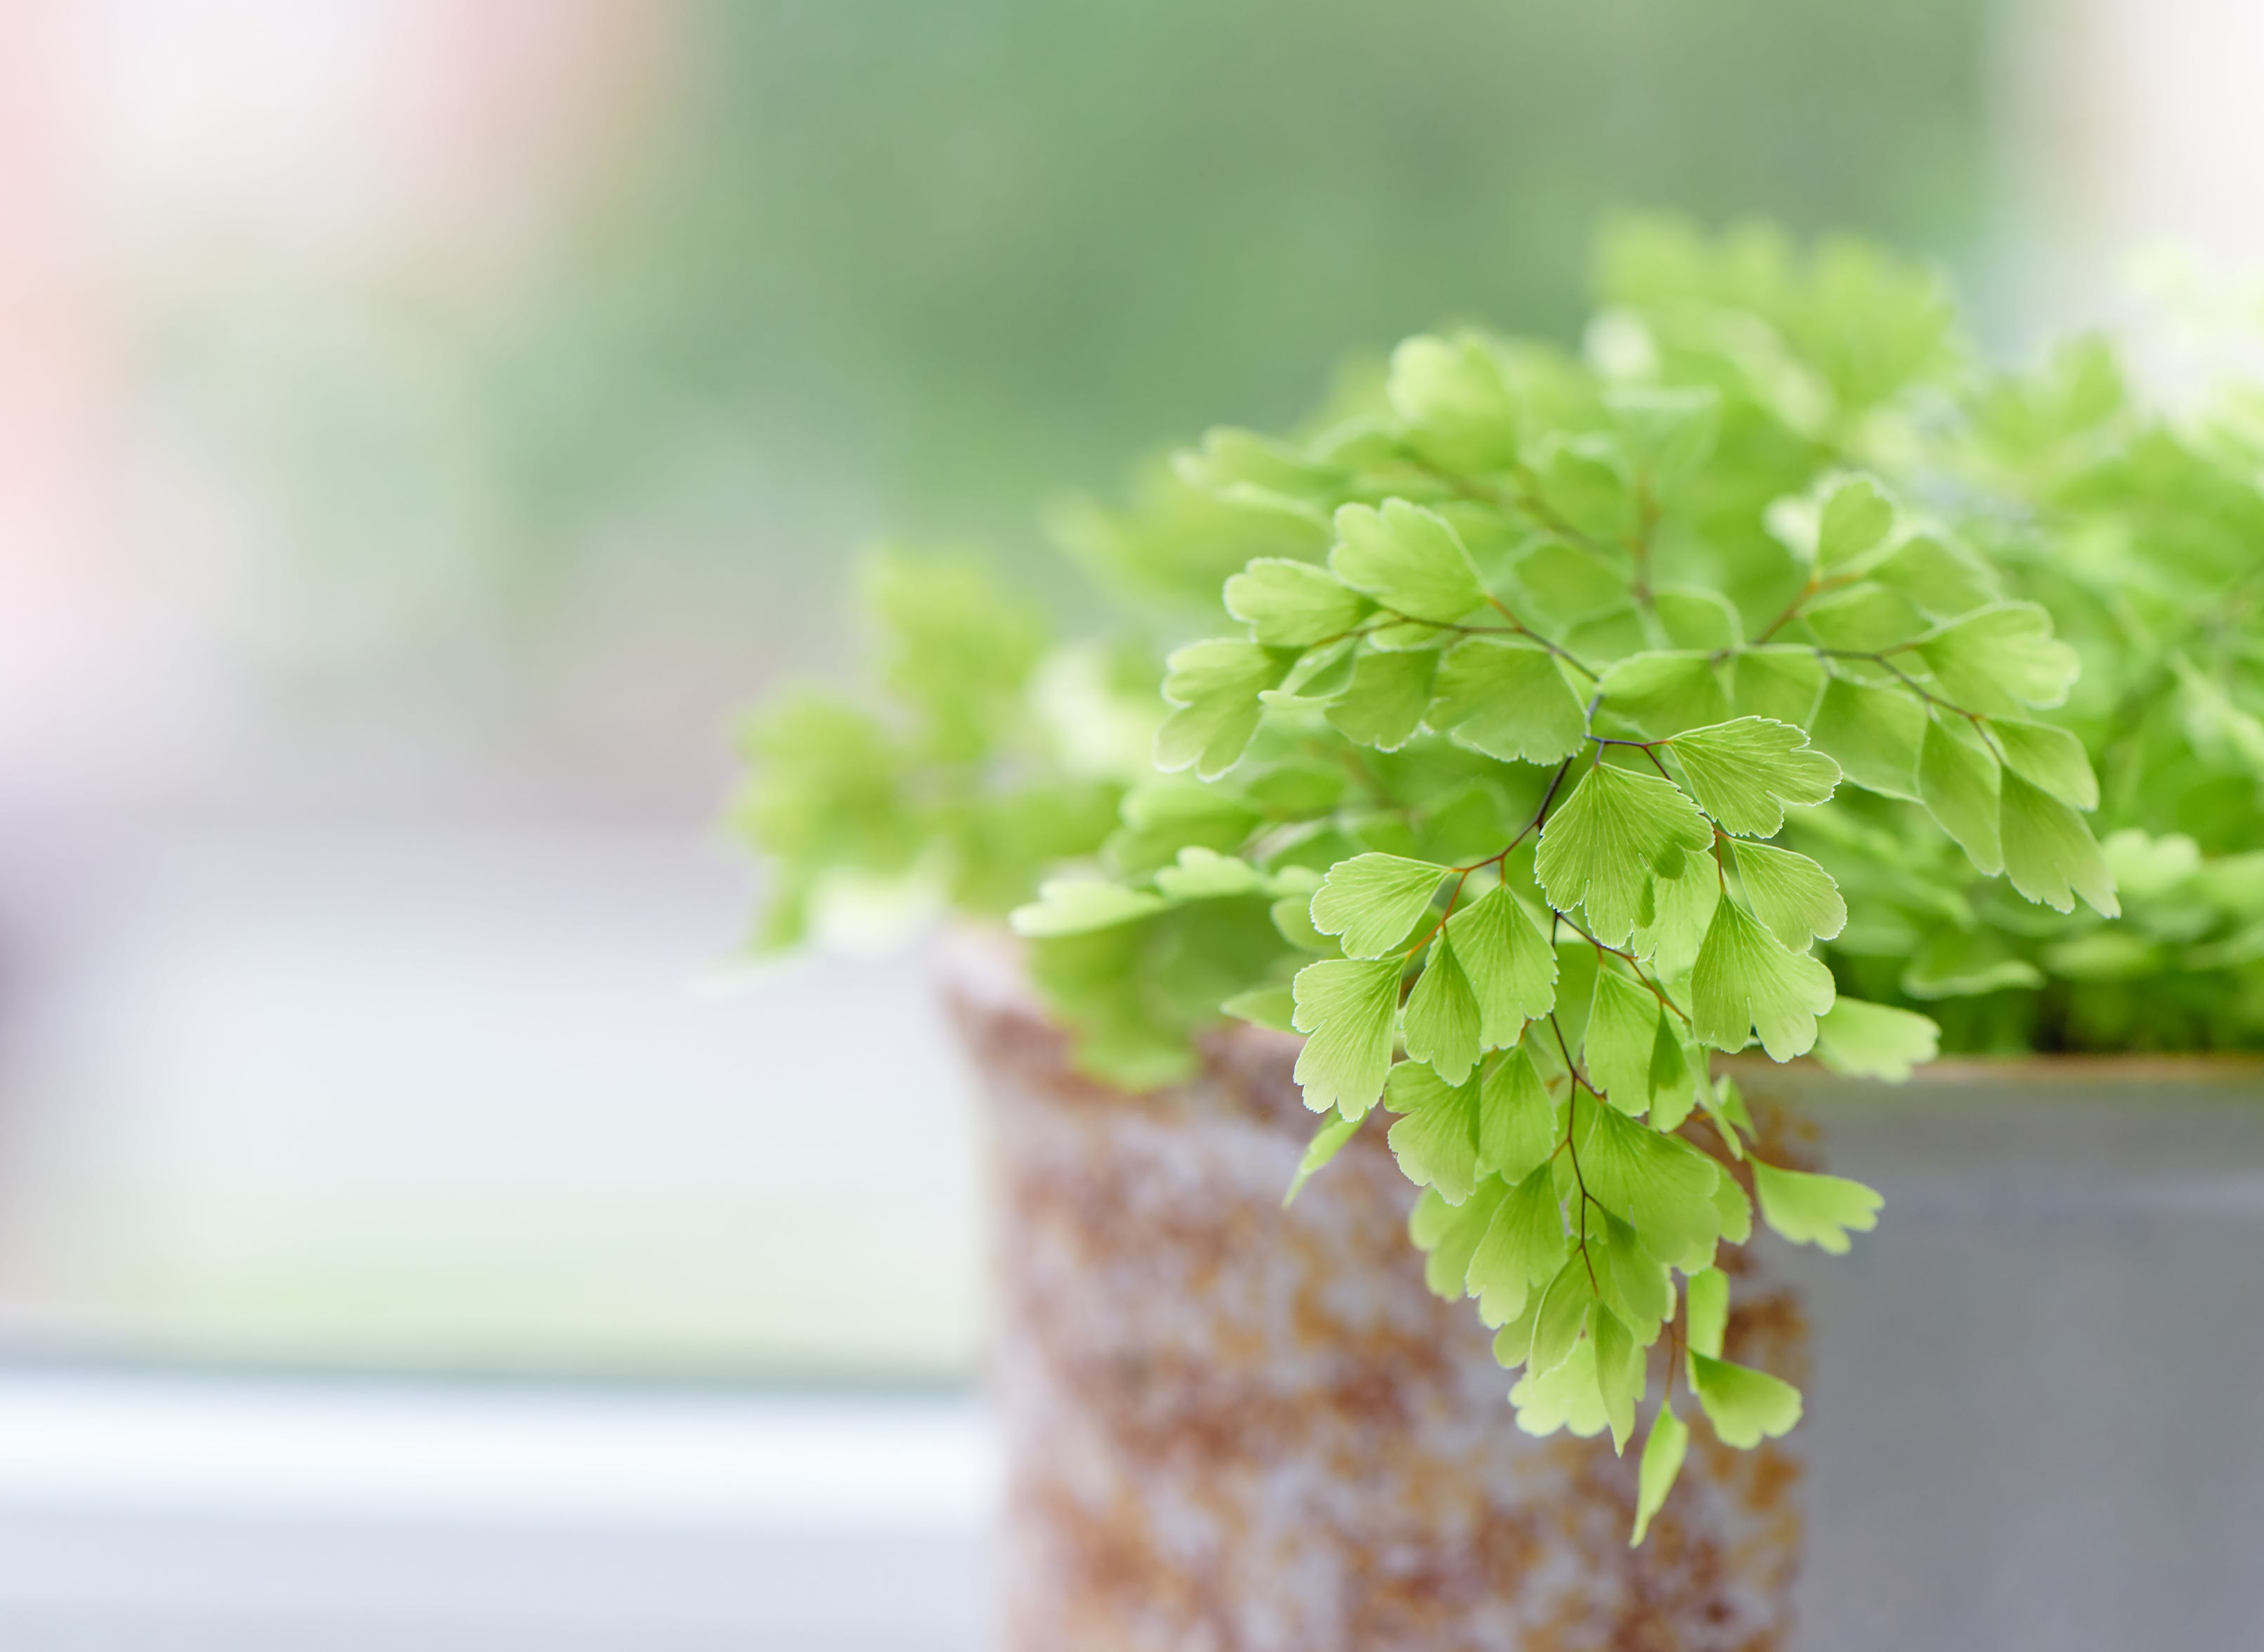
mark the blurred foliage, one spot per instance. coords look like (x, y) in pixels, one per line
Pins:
(896, 262)
(990, 248)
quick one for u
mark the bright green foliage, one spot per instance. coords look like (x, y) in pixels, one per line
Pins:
(1599, 850)
(1744, 774)
(1441, 1023)
(2000, 659)
(1957, 782)
(1874, 1041)
(1872, 733)
(1383, 702)
(1523, 1247)
(1744, 1406)
(1372, 900)
(2050, 758)
(1815, 1210)
(1663, 1453)
(1518, 1125)
(1408, 559)
(1508, 771)
(1214, 686)
(1291, 604)
(1622, 1033)
(2050, 854)
(1437, 1142)
(1075, 906)
(1347, 1007)
(1449, 1235)
(1508, 698)
(1793, 896)
(1512, 970)
(1327, 1142)
(1745, 982)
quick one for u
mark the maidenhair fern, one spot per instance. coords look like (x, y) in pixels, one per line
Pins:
(1564, 722)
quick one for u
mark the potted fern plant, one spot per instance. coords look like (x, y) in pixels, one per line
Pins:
(1537, 732)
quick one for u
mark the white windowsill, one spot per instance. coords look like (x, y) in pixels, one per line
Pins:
(148, 1510)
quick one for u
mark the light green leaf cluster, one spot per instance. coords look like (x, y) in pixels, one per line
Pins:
(1753, 678)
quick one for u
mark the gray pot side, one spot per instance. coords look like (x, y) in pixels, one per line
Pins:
(1233, 1428)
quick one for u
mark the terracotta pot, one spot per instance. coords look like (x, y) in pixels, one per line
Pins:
(1234, 1428)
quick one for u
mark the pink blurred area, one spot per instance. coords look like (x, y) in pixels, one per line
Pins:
(149, 148)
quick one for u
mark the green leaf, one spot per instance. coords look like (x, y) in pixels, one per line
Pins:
(1441, 1025)
(1682, 907)
(1460, 411)
(2050, 758)
(1327, 1141)
(1660, 1185)
(1075, 906)
(1745, 979)
(1347, 1008)
(1291, 604)
(1436, 1141)
(1854, 519)
(1960, 964)
(1666, 691)
(1517, 1122)
(1815, 1210)
(1744, 1406)
(1634, 1284)
(1215, 686)
(1293, 920)
(1322, 672)
(1730, 1203)
(1746, 771)
(1507, 698)
(1604, 841)
(1408, 559)
(1512, 969)
(1957, 783)
(1200, 873)
(1778, 682)
(1618, 1375)
(1581, 483)
(1837, 523)
(1997, 659)
(1790, 894)
(1663, 1452)
(1565, 1397)
(2050, 854)
(1864, 619)
(1874, 1041)
(1383, 705)
(1673, 1078)
(1616, 1049)
(1872, 733)
(1706, 1321)
(1693, 617)
(1275, 1008)
(1524, 1245)
(1942, 578)
(1668, 434)
(1373, 901)
(1566, 1302)
(1237, 463)
(1449, 1235)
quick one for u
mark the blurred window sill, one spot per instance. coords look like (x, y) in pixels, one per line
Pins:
(146, 1510)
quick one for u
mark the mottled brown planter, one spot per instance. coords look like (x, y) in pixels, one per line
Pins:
(1234, 1428)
